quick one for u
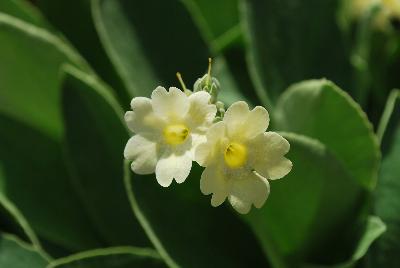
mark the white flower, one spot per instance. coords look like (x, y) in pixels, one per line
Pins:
(240, 156)
(168, 128)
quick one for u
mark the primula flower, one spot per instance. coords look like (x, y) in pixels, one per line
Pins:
(239, 157)
(168, 128)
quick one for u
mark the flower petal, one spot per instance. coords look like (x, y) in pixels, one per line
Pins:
(235, 117)
(143, 152)
(257, 122)
(268, 152)
(245, 192)
(241, 122)
(201, 113)
(213, 182)
(173, 104)
(173, 166)
(204, 152)
(142, 119)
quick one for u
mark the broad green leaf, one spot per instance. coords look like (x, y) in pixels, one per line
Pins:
(117, 257)
(320, 110)
(23, 10)
(34, 173)
(95, 145)
(289, 41)
(146, 48)
(374, 228)
(311, 211)
(30, 58)
(12, 221)
(387, 203)
(174, 219)
(221, 30)
(35, 177)
(17, 254)
(75, 20)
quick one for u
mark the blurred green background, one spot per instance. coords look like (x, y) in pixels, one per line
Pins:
(326, 70)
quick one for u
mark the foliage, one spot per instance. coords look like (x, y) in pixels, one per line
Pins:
(68, 70)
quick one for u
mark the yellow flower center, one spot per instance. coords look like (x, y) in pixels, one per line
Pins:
(175, 134)
(235, 155)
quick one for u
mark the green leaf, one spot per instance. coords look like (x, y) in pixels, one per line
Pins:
(389, 121)
(320, 110)
(373, 230)
(220, 30)
(30, 58)
(35, 177)
(117, 257)
(387, 203)
(23, 10)
(80, 30)
(146, 48)
(34, 173)
(304, 214)
(95, 140)
(17, 254)
(12, 221)
(283, 47)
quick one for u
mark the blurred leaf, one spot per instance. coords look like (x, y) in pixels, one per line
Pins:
(23, 10)
(17, 254)
(320, 110)
(373, 230)
(293, 40)
(387, 202)
(118, 257)
(74, 19)
(95, 142)
(12, 221)
(36, 179)
(304, 214)
(34, 175)
(229, 88)
(30, 58)
(146, 48)
(221, 30)
(389, 122)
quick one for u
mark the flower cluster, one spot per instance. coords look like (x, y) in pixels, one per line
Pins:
(175, 128)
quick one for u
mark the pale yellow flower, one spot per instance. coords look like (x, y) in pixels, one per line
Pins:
(168, 128)
(240, 157)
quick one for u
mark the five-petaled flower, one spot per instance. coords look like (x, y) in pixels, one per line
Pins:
(239, 157)
(168, 128)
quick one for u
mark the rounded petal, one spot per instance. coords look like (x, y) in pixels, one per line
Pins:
(213, 182)
(143, 152)
(257, 122)
(245, 192)
(201, 113)
(204, 152)
(173, 104)
(142, 119)
(267, 153)
(242, 122)
(172, 167)
(235, 117)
